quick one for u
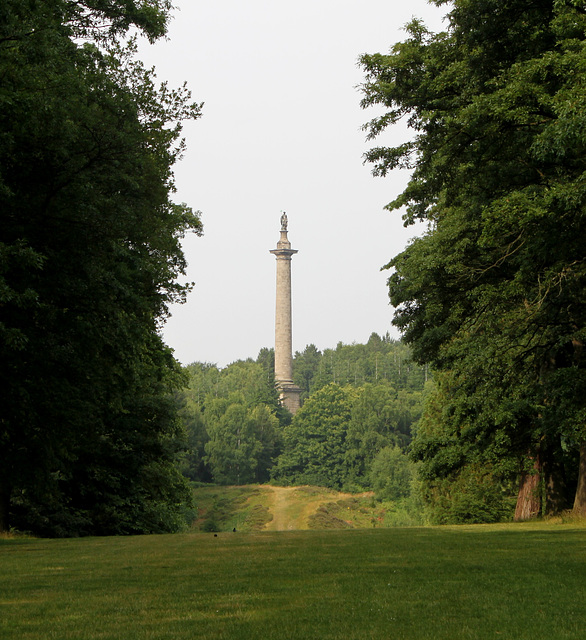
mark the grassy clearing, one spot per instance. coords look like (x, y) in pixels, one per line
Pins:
(264, 507)
(515, 582)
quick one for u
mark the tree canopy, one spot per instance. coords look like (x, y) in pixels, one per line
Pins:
(492, 293)
(89, 259)
(233, 421)
(380, 358)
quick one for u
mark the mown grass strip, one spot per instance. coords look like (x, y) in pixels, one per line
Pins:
(523, 582)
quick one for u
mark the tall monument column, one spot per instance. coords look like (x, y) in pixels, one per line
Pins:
(288, 391)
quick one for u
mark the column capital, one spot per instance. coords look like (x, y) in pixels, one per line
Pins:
(283, 253)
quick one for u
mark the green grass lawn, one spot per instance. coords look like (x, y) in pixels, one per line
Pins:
(511, 582)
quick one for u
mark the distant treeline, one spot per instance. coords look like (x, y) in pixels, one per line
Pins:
(380, 359)
(360, 404)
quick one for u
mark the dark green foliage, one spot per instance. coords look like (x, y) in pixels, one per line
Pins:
(266, 358)
(385, 404)
(193, 465)
(305, 366)
(493, 291)
(381, 417)
(242, 440)
(314, 444)
(232, 418)
(391, 474)
(475, 495)
(470, 460)
(89, 256)
(335, 437)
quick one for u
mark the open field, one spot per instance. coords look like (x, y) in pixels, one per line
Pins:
(521, 582)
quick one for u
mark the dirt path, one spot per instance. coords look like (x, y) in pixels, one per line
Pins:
(280, 501)
(291, 507)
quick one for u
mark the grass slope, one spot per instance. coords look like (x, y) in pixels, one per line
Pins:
(524, 582)
(264, 507)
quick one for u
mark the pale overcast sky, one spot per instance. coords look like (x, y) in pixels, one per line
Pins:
(281, 131)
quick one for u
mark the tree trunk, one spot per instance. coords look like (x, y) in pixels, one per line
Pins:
(580, 499)
(555, 496)
(556, 490)
(4, 507)
(529, 498)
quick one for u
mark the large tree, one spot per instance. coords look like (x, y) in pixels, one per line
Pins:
(89, 256)
(493, 291)
(314, 444)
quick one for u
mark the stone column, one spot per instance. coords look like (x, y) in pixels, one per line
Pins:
(289, 393)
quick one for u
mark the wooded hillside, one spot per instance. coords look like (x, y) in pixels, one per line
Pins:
(352, 433)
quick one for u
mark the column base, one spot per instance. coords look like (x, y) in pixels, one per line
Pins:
(289, 395)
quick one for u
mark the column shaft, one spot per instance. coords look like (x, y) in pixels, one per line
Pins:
(283, 329)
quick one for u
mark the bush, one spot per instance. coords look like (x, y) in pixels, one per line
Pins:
(391, 474)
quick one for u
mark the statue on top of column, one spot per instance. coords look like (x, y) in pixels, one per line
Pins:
(284, 222)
